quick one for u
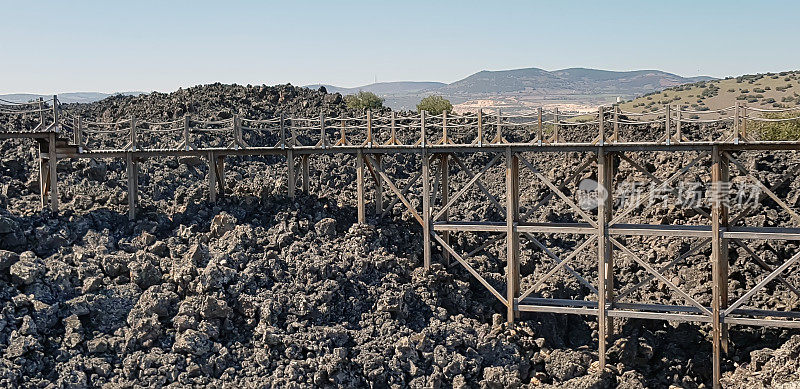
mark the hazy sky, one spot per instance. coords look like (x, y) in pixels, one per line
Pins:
(108, 46)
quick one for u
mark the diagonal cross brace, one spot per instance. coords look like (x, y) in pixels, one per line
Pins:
(372, 164)
(664, 184)
(660, 276)
(466, 187)
(552, 271)
(558, 192)
(775, 273)
(469, 268)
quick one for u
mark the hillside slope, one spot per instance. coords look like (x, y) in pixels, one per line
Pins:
(768, 90)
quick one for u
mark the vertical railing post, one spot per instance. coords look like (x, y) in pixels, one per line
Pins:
(41, 111)
(736, 122)
(678, 133)
(499, 137)
(77, 135)
(323, 136)
(55, 112)
(556, 125)
(423, 139)
(393, 140)
(445, 139)
(369, 128)
(605, 263)
(540, 129)
(282, 129)
(667, 115)
(480, 127)
(744, 120)
(600, 127)
(616, 123)
(133, 140)
(512, 234)
(235, 128)
(186, 142)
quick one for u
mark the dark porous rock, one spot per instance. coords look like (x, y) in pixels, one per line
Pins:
(7, 258)
(563, 365)
(192, 342)
(27, 269)
(326, 227)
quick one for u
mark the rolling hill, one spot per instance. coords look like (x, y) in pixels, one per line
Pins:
(767, 90)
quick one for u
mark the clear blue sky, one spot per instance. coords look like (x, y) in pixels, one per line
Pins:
(107, 46)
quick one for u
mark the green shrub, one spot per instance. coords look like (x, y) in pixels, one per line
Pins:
(788, 130)
(363, 100)
(434, 105)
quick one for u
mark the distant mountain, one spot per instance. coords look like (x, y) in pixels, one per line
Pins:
(71, 97)
(527, 87)
(384, 88)
(572, 81)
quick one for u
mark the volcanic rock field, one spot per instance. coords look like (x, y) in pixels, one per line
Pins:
(260, 290)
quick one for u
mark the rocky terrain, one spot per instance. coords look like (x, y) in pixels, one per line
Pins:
(259, 290)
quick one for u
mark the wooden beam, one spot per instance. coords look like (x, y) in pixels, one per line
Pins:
(212, 177)
(132, 184)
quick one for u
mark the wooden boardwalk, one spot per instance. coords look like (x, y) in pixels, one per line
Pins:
(443, 142)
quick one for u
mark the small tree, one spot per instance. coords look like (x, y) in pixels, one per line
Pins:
(435, 105)
(363, 100)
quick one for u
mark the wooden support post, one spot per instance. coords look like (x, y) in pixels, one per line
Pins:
(212, 177)
(52, 155)
(678, 134)
(132, 170)
(616, 123)
(444, 160)
(605, 255)
(306, 173)
(44, 179)
(540, 127)
(480, 127)
(360, 187)
(512, 235)
(426, 207)
(379, 186)
(719, 259)
(220, 166)
(291, 174)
